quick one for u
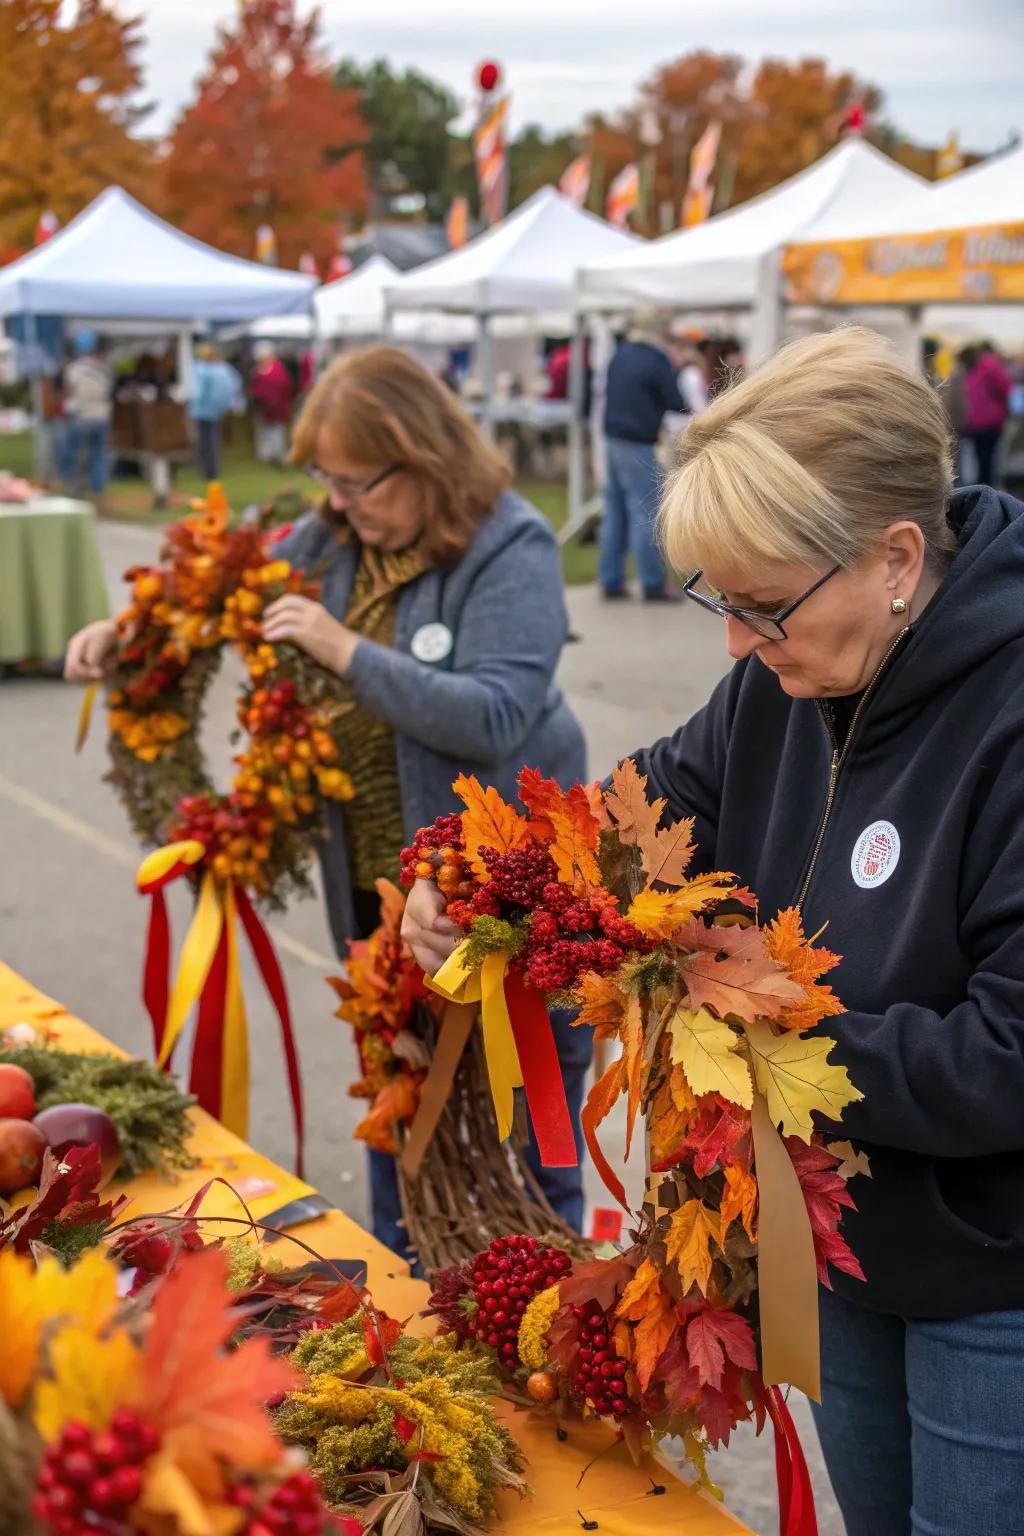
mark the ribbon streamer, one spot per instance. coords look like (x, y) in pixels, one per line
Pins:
(796, 1496)
(787, 1278)
(209, 975)
(508, 1043)
(453, 1036)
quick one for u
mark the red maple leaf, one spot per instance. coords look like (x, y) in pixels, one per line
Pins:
(68, 1194)
(714, 1334)
(719, 1136)
(379, 1333)
(677, 1381)
(730, 972)
(825, 1195)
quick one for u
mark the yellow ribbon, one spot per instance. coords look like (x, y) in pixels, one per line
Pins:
(85, 714)
(486, 985)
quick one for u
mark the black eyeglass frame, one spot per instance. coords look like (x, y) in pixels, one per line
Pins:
(335, 485)
(754, 621)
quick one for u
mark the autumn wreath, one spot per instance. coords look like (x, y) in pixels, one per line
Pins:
(587, 900)
(258, 838)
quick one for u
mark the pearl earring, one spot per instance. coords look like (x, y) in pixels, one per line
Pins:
(898, 605)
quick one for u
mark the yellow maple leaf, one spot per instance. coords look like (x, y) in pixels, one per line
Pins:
(660, 914)
(739, 1199)
(794, 1075)
(487, 822)
(682, 1096)
(691, 1231)
(602, 1003)
(31, 1295)
(90, 1377)
(646, 1303)
(705, 1048)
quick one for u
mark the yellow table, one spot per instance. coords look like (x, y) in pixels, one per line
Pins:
(617, 1495)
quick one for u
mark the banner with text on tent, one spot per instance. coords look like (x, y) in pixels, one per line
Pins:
(946, 266)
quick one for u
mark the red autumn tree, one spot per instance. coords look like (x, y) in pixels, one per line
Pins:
(69, 82)
(270, 139)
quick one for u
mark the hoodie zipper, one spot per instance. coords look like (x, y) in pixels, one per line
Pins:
(839, 758)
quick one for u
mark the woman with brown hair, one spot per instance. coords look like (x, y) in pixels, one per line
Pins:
(442, 613)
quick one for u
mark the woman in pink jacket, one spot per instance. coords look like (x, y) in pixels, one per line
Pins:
(987, 385)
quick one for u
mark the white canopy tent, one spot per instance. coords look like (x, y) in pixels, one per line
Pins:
(732, 260)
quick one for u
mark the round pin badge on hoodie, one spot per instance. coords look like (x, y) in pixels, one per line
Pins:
(875, 855)
(432, 642)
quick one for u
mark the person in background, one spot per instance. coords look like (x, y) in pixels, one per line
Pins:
(88, 397)
(640, 389)
(952, 392)
(273, 397)
(216, 389)
(693, 374)
(558, 372)
(987, 384)
(442, 616)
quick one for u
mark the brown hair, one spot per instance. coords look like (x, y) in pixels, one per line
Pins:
(810, 458)
(381, 406)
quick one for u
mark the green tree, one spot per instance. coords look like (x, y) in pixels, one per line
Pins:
(534, 161)
(408, 116)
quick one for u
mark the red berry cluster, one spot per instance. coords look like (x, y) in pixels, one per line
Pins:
(600, 1374)
(504, 1279)
(87, 1478)
(274, 711)
(295, 1508)
(420, 861)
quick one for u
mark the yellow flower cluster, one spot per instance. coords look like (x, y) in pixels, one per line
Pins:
(533, 1329)
(147, 736)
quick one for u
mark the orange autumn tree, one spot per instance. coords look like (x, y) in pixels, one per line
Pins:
(269, 139)
(69, 83)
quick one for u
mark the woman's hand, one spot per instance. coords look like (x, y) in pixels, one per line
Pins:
(429, 934)
(309, 626)
(91, 652)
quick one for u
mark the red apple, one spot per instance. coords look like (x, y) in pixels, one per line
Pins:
(22, 1145)
(81, 1125)
(17, 1093)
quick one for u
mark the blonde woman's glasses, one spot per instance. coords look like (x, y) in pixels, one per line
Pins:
(770, 625)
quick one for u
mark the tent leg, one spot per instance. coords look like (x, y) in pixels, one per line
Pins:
(766, 319)
(42, 440)
(486, 356)
(577, 429)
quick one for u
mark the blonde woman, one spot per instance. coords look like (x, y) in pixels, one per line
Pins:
(865, 759)
(442, 613)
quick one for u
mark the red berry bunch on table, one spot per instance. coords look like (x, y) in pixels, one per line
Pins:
(502, 1280)
(295, 1508)
(600, 1377)
(90, 1480)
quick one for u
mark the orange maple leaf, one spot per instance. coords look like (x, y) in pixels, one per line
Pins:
(600, 1100)
(632, 1036)
(785, 942)
(564, 821)
(660, 914)
(487, 822)
(646, 1303)
(396, 1103)
(671, 1114)
(730, 973)
(691, 1230)
(739, 1199)
(665, 852)
(602, 1004)
(207, 1403)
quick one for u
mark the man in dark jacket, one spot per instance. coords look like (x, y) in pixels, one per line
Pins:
(641, 387)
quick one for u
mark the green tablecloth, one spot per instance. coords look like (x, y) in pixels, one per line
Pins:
(51, 577)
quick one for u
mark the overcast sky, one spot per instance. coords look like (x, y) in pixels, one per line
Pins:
(942, 64)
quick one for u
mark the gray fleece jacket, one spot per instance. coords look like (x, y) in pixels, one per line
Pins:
(487, 707)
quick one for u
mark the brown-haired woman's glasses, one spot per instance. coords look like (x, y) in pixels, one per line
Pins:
(350, 490)
(770, 625)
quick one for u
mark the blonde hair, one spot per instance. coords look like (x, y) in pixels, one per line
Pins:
(381, 406)
(810, 458)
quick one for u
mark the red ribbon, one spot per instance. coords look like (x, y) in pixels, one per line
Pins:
(156, 968)
(796, 1497)
(206, 1075)
(270, 970)
(542, 1073)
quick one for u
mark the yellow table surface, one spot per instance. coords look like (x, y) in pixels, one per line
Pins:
(615, 1493)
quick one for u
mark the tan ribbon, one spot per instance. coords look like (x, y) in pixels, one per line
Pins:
(787, 1277)
(456, 1026)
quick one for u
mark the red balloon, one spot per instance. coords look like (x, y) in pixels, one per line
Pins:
(488, 75)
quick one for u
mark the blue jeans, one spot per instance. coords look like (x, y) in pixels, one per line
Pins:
(85, 440)
(563, 1187)
(631, 494)
(922, 1422)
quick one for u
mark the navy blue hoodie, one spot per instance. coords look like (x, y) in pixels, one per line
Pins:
(919, 874)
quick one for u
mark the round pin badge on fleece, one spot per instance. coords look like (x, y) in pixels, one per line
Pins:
(432, 642)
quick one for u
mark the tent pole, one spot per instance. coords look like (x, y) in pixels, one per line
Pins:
(41, 455)
(577, 425)
(486, 356)
(766, 318)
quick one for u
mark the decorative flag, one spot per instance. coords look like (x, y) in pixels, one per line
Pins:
(575, 182)
(950, 157)
(855, 118)
(48, 225)
(340, 266)
(623, 196)
(700, 192)
(457, 223)
(266, 246)
(307, 264)
(491, 167)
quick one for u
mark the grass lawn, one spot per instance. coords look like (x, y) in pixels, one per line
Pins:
(246, 481)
